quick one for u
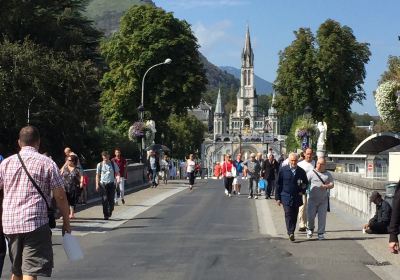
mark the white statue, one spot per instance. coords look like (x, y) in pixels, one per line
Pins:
(322, 128)
(150, 133)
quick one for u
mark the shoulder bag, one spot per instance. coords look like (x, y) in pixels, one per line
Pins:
(323, 182)
(50, 211)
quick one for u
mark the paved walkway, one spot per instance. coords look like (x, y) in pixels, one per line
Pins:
(340, 225)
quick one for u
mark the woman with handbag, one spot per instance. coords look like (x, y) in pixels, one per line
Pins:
(72, 178)
(228, 173)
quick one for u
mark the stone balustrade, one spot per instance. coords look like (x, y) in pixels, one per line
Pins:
(353, 192)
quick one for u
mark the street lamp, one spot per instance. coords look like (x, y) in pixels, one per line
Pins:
(141, 107)
(29, 108)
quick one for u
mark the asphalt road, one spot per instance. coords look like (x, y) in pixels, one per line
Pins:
(202, 234)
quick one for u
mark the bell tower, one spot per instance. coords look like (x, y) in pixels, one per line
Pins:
(247, 98)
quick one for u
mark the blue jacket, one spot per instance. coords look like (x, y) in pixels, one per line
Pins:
(291, 187)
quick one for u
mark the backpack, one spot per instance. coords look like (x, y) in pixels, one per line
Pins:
(112, 165)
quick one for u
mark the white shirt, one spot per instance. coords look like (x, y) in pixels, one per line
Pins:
(307, 166)
(190, 165)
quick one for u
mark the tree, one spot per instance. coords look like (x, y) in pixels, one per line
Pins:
(341, 60)
(185, 135)
(296, 75)
(56, 24)
(62, 93)
(393, 71)
(329, 80)
(148, 36)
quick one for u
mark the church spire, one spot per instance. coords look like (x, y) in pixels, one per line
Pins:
(218, 107)
(247, 54)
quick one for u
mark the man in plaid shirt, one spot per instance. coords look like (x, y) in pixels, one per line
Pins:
(25, 220)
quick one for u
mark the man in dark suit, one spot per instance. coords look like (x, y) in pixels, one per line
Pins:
(292, 182)
(270, 168)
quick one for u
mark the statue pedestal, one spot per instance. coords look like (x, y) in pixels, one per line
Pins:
(321, 151)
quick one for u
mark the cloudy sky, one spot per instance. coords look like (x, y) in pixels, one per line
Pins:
(220, 27)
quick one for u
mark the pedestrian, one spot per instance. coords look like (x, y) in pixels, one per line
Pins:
(270, 169)
(252, 170)
(260, 159)
(394, 226)
(67, 153)
(237, 181)
(308, 165)
(217, 170)
(291, 186)
(164, 169)
(153, 167)
(320, 182)
(228, 173)
(72, 178)
(107, 174)
(120, 161)
(379, 223)
(27, 179)
(190, 169)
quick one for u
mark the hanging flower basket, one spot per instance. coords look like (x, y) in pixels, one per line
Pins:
(137, 130)
(301, 133)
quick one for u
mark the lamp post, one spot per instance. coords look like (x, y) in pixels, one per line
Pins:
(141, 107)
(29, 108)
(305, 143)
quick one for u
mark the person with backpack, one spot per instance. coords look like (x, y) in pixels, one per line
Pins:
(107, 174)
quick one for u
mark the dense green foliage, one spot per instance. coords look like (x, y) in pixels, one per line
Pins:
(148, 36)
(363, 119)
(65, 93)
(185, 135)
(326, 73)
(56, 24)
(49, 57)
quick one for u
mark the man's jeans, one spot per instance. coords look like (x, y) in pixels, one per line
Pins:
(120, 189)
(253, 186)
(270, 187)
(315, 207)
(153, 175)
(107, 192)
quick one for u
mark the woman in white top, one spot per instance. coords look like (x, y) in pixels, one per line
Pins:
(190, 167)
(164, 169)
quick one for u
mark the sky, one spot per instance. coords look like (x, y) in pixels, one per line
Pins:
(220, 27)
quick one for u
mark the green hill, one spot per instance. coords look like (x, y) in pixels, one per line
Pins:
(107, 13)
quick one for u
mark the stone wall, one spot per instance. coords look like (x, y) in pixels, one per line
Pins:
(353, 192)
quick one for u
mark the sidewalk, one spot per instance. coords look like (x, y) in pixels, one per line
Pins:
(340, 225)
(89, 218)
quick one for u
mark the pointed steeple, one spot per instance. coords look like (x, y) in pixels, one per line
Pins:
(272, 111)
(218, 107)
(247, 54)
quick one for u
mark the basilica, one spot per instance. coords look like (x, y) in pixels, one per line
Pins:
(247, 130)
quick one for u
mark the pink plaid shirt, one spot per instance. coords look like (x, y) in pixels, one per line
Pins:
(24, 209)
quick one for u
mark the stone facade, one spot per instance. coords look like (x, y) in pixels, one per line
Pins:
(247, 130)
